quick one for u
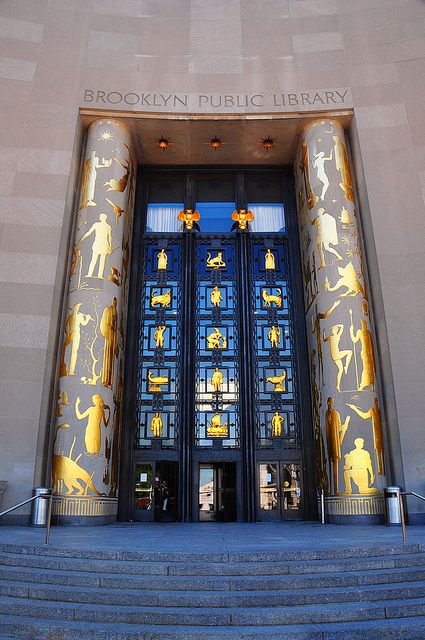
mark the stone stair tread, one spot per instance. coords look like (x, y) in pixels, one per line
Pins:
(29, 629)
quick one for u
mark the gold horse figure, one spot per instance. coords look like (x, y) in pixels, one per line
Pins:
(278, 382)
(163, 300)
(156, 381)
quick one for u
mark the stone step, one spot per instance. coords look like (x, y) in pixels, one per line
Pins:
(212, 599)
(279, 615)
(216, 583)
(31, 629)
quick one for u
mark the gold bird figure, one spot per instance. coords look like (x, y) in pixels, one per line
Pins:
(117, 210)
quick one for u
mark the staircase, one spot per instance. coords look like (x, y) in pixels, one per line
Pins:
(67, 594)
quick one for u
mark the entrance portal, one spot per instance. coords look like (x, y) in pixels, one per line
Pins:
(218, 382)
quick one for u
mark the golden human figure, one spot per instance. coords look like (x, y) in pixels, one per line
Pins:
(217, 380)
(274, 336)
(319, 448)
(335, 432)
(348, 279)
(216, 297)
(336, 354)
(278, 382)
(374, 414)
(216, 340)
(358, 468)
(162, 260)
(73, 325)
(156, 425)
(242, 217)
(319, 165)
(108, 329)
(277, 422)
(96, 414)
(316, 329)
(159, 336)
(102, 245)
(343, 166)
(312, 199)
(189, 217)
(326, 234)
(364, 336)
(155, 382)
(269, 260)
(217, 262)
(88, 181)
(216, 429)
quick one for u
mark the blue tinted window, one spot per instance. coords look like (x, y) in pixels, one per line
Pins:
(162, 217)
(267, 217)
(216, 216)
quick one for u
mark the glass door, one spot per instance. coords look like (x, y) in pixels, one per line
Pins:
(155, 492)
(279, 491)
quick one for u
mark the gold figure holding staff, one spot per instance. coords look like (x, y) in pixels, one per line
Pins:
(274, 336)
(216, 297)
(364, 336)
(374, 414)
(277, 422)
(336, 354)
(335, 433)
(108, 329)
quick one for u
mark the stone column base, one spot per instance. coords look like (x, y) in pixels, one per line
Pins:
(84, 510)
(355, 509)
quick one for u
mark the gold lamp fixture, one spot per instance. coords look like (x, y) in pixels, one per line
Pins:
(268, 143)
(162, 143)
(215, 143)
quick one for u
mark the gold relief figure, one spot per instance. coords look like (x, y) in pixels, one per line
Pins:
(189, 217)
(312, 199)
(277, 422)
(155, 382)
(242, 217)
(374, 414)
(349, 280)
(216, 429)
(163, 300)
(217, 380)
(216, 340)
(73, 325)
(345, 217)
(319, 164)
(319, 445)
(88, 182)
(337, 355)
(95, 415)
(269, 260)
(162, 260)
(278, 382)
(108, 329)
(67, 471)
(274, 336)
(343, 166)
(121, 184)
(270, 299)
(116, 427)
(316, 329)
(358, 468)
(158, 336)
(156, 425)
(364, 336)
(75, 258)
(217, 262)
(365, 308)
(216, 297)
(117, 210)
(115, 276)
(335, 433)
(326, 234)
(102, 245)
(63, 401)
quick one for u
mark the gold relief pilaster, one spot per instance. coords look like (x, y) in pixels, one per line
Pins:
(348, 434)
(86, 439)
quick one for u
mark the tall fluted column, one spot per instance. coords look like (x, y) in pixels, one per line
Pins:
(86, 440)
(347, 419)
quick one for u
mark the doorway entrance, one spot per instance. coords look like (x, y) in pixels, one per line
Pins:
(216, 381)
(279, 490)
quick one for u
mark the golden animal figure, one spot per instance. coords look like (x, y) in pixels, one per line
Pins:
(216, 340)
(278, 382)
(364, 336)
(343, 166)
(217, 380)
(326, 234)
(277, 422)
(108, 329)
(336, 354)
(163, 299)
(312, 199)
(319, 165)
(335, 433)
(358, 469)
(68, 472)
(121, 184)
(217, 262)
(156, 425)
(162, 260)
(274, 336)
(374, 414)
(242, 217)
(156, 382)
(216, 297)
(73, 325)
(102, 245)
(269, 260)
(216, 429)
(189, 217)
(88, 181)
(270, 299)
(159, 336)
(117, 210)
(95, 415)
(348, 279)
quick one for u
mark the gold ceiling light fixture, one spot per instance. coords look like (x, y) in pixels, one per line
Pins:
(163, 143)
(268, 143)
(215, 143)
